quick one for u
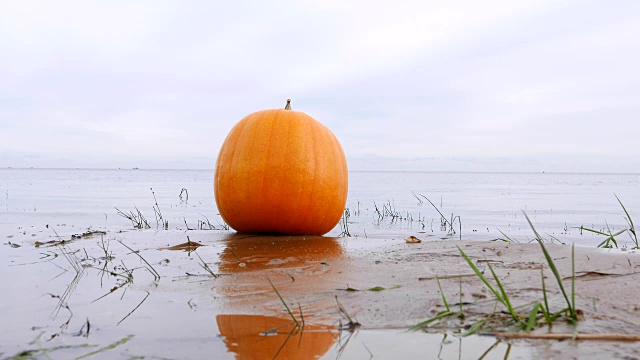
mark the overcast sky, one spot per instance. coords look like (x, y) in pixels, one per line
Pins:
(413, 85)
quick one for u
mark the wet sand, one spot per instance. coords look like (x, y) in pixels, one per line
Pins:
(160, 302)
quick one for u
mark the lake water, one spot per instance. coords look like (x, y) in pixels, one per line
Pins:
(56, 285)
(487, 205)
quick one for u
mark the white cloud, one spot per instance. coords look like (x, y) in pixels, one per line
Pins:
(411, 78)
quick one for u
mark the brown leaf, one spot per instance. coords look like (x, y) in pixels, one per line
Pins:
(188, 246)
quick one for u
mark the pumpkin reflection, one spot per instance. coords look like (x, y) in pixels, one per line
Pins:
(250, 259)
(254, 337)
(255, 252)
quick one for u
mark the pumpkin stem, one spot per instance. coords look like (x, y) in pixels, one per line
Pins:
(288, 106)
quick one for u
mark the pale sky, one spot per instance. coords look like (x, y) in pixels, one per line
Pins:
(404, 85)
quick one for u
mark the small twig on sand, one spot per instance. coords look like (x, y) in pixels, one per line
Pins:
(152, 270)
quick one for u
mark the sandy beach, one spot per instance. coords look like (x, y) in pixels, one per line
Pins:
(210, 291)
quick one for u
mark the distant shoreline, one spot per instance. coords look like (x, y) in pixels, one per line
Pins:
(350, 171)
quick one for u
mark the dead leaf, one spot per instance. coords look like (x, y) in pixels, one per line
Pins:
(413, 240)
(188, 246)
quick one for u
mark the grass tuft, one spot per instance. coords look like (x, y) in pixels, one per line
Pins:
(443, 220)
(554, 270)
(442, 314)
(137, 219)
(537, 314)
(632, 229)
(502, 296)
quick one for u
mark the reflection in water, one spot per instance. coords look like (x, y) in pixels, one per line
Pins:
(250, 259)
(264, 337)
(297, 265)
(253, 252)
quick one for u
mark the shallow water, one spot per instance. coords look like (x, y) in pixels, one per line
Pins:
(51, 290)
(488, 205)
(185, 313)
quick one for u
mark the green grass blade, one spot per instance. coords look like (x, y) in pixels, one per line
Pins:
(626, 213)
(284, 303)
(593, 231)
(532, 317)
(479, 274)
(377, 288)
(535, 232)
(618, 233)
(546, 315)
(506, 237)
(438, 316)
(632, 227)
(552, 266)
(474, 328)
(546, 302)
(573, 277)
(605, 244)
(556, 274)
(612, 236)
(554, 316)
(505, 296)
(444, 299)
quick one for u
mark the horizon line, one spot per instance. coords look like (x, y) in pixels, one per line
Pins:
(351, 171)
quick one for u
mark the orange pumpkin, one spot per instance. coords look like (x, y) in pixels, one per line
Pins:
(281, 171)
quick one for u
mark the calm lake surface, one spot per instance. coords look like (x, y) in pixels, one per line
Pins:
(487, 205)
(76, 297)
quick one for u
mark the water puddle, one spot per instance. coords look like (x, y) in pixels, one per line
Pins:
(175, 295)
